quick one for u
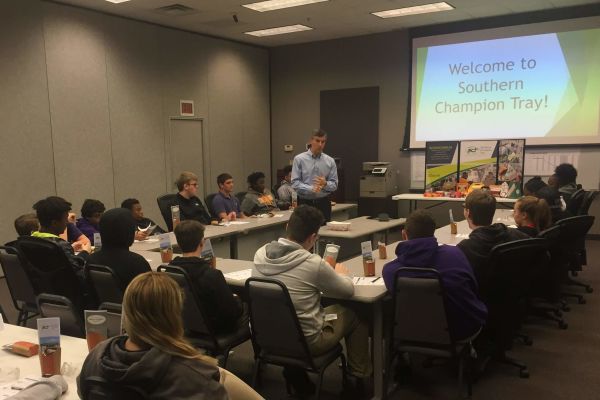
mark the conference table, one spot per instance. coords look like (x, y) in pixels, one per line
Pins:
(240, 239)
(73, 353)
(413, 198)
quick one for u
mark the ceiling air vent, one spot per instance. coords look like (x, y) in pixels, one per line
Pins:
(176, 10)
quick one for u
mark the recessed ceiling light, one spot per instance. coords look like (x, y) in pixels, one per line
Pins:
(117, 1)
(271, 5)
(422, 9)
(279, 31)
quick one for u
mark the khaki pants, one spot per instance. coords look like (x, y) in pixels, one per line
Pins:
(236, 388)
(355, 332)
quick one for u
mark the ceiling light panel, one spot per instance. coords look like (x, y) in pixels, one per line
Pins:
(280, 30)
(271, 5)
(117, 1)
(422, 9)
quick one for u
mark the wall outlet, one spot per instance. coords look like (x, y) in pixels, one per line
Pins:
(288, 147)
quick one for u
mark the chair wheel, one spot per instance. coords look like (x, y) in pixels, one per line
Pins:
(589, 289)
(581, 300)
(524, 373)
(563, 325)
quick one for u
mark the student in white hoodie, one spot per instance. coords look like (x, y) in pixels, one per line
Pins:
(306, 276)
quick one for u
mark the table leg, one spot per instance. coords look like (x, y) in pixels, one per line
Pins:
(233, 247)
(378, 358)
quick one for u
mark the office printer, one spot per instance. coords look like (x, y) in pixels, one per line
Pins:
(376, 179)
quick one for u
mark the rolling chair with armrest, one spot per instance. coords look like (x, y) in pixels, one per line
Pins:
(164, 205)
(420, 323)
(71, 321)
(198, 329)
(277, 337)
(587, 202)
(113, 318)
(19, 284)
(209, 205)
(52, 272)
(514, 266)
(575, 202)
(240, 196)
(572, 244)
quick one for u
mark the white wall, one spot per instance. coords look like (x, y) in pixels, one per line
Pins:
(86, 98)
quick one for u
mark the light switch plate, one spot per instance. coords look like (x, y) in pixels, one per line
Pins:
(288, 147)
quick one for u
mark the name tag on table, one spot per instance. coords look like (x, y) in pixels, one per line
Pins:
(368, 281)
(239, 275)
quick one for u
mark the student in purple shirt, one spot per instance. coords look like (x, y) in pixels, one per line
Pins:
(225, 205)
(91, 211)
(466, 312)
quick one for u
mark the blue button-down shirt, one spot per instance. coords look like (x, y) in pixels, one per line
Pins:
(307, 167)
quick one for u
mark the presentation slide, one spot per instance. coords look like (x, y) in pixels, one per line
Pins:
(543, 85)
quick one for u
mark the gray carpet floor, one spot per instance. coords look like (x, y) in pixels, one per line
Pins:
(564, 364)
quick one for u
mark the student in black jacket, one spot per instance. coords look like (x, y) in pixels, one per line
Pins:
(117, 228)
(222, 308)
(190, 206)
(142, 223)
(480, 207)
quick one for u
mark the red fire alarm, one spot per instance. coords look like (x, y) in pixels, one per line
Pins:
(186, 108)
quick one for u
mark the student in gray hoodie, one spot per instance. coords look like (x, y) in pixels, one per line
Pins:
(306, 276)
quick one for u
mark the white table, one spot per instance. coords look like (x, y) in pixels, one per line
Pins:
(242, 240)
(360, 227)
(413, 198)
(73, 351)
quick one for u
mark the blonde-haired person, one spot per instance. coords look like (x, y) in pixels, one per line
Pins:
(532, 215)
(190, 206)
(154, 356)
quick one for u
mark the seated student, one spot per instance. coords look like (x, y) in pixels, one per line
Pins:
(259, 199)
(466, 312)
(91, 211)
(533, 185)
(117, 228)
(153, 357)
(480, 207)
(53, 212)
(553, 181)
(285, 190)
(532, 215)
(225, 205)
(73, 235)
(222, 308)
(567, 177)
(26, 224)
(306, 275)
(141, 222)
(190, 206)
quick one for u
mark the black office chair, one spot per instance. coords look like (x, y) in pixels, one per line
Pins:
(97, 388)
(19, 284)
(587, 202)
(197, 326)
(240, 196)
(4, 317)
(277, 337)
(164, 205)
(51, 270)
(514, 267)
(575, 202)
(71, 321)
(547, 302)
(209, 205)
(106, 284)
(113, 318)
(420, 322)
(572, 244)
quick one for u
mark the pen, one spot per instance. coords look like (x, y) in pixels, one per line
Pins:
(376, 279)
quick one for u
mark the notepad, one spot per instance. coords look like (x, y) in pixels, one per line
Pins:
(239, 275)
(368, 281)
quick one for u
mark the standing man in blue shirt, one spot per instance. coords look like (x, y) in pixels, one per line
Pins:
(314, 175)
